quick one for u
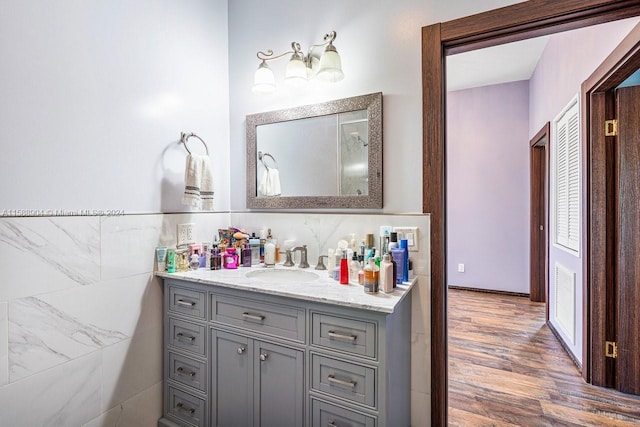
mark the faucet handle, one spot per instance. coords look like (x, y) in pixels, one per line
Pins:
(320, 265)
(288, 262)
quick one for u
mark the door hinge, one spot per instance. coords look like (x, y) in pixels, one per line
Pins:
(611, 349)
(611, 128)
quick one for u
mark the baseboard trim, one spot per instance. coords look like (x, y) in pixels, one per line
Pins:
(487, 291)
(564, 346)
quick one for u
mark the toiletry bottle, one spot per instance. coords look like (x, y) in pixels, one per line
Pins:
(269, 254)
(206, 251)
(398, 257)
(344, 269)
(354, 267)
(371, 277)
(387, 279)
(216, 258)
(393, 240)
(254, 242)
(246, 256)
(263, 240)
(410, 269)
(331, 262)
(171, 260)
(353, 243)
(275, 244)
(194, 264)
(336, 264)
(161, 258)
(385, 237)
(230, 259)
(202, 258)
(361, 270)
(395, 269)
(368, 245)
(404, 245)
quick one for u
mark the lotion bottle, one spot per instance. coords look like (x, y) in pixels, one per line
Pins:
(387, 279)
(371, 277)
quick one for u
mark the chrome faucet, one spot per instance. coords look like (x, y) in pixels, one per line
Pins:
(289, 261)
(303, 256)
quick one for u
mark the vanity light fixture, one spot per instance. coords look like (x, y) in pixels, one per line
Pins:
(300, 68)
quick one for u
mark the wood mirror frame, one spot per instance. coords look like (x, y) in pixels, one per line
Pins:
(520, 21)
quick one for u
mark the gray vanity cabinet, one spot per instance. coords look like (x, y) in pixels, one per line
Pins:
(236, 357)
(255, 383)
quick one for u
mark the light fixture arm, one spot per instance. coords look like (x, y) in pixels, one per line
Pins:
(268, 55)
(328, 39)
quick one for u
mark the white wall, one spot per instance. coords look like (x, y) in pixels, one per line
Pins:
(95, 95)
(568, 60)
(379, 43)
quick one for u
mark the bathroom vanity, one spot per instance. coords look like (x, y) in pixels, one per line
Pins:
(285, 348)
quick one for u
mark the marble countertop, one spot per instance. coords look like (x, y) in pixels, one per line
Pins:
(322, 289)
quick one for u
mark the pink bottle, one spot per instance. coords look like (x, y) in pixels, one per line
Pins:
(230, 259)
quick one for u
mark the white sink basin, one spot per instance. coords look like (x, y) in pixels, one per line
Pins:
(282, 276)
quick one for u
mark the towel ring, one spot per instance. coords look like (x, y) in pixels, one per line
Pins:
(261, 157)
(184, 137)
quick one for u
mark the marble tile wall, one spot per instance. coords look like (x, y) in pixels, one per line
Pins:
(81, 318)
(81, 313)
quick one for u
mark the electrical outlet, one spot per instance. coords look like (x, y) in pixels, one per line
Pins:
(186, 234)
(409, 233)
(460, 268)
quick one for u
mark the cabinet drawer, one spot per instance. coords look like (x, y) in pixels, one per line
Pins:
(185, 301)
(186, 407)
(278, 320)
(344, 380)
(326, 415)
(345, 334)
(188, 371)
(187, 336)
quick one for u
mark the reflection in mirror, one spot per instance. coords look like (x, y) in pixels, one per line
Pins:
(319, 156)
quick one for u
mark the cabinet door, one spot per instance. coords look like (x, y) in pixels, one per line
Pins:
(279, 386)
(232, 385)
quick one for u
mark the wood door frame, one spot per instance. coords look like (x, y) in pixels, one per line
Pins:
(539, 290)
(596, 108)
(512, 23)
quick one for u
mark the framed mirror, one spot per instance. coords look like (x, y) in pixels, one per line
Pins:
(319, 156)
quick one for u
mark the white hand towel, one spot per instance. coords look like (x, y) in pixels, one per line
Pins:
(270, 185)
(198, 182)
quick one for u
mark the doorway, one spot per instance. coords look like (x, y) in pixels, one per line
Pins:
(539, 218)
(516, 22)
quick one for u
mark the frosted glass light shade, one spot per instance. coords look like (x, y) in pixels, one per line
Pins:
(264, 81)
(296, 72)
(330, 66)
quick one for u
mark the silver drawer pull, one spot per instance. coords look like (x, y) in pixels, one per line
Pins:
(332, 424)
(334, 380)
(241, 350)
(184, 303)
(264, 356)
(183, 408)
(334, 334)
(186, 337)
(183, 371)
(258, 318)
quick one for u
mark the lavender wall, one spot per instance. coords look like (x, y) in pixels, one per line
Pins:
(567, 61)
(488, 187)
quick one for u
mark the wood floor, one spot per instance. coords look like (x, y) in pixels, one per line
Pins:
(506, 368)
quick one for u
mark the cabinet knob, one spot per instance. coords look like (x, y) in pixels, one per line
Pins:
(241, 350)
(332, 424)
(264, 356)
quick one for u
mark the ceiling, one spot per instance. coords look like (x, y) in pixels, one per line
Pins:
(510, 62)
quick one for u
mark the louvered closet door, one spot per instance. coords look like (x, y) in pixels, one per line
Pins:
(567, 178)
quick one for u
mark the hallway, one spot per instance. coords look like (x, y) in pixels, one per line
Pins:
(506, 368)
